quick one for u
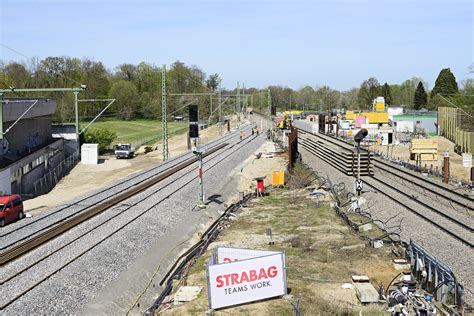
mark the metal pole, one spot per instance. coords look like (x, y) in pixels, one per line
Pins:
(164, 114)
(201, 185)
(270, 113)
(237, 103)
(210, 114)
(220, 112)
(76, 109)
(358, 165)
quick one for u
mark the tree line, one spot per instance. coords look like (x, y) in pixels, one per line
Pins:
(138, 89)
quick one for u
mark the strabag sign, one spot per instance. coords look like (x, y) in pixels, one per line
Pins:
(246, 280)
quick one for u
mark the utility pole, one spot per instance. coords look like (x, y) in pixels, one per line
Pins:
(202, 199)
(270, 113)
(164, 114)
(244, 99)
(210, 113)
(220, 112)
(76, 109)
(237, 103)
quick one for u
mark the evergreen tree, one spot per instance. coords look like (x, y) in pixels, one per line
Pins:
(368, 91)
(387, 93)
(421, 98)
(445, 83)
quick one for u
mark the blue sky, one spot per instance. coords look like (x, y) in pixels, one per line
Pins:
(338, 43)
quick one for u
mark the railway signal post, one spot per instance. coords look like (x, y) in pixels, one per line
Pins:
(194, 137)
(202, 199)
(358, 138)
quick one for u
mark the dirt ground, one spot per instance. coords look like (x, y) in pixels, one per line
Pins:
(311, 236)
(86, 178)
(402, 152)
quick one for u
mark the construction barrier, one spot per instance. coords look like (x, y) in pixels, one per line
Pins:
(278, 178)
(457, 126)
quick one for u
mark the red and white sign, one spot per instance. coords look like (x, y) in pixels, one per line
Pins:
(246, 280)
(226, 254)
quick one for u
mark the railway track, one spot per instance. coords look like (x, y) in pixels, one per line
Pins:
(214, 158)
(446, 209)
(20, 240)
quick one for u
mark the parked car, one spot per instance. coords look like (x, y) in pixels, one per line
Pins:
(11, 208)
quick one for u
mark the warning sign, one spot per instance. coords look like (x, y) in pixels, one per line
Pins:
(246, 280)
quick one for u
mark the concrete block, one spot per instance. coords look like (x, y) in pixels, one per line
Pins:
(378, 244)
(365, 227)
(366, 293)
(401, 264)
(186, 294)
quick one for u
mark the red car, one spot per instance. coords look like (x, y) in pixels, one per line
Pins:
(11, 208)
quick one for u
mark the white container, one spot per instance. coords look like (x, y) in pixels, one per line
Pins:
(90, 154)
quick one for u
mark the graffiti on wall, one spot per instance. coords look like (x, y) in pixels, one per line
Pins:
(33, 139)
(4, 145)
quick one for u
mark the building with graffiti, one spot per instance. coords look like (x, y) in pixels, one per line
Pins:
(28, 152)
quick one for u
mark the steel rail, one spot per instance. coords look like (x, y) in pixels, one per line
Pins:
(78, 202)
(457, 221)
(400, 175)
(417, 212)
(347, 145)
(46, 235)
(83, 234)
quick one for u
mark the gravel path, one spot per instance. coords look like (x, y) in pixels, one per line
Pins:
(71, 288)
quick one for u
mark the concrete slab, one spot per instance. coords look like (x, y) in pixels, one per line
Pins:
(365, 227)
(378, 244)
(366, 292)
(186, 294)
(401, 264)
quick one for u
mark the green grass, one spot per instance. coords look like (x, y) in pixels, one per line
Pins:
(140, 132)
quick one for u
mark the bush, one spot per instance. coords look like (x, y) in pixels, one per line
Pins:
(102, 136)
(300, 177)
